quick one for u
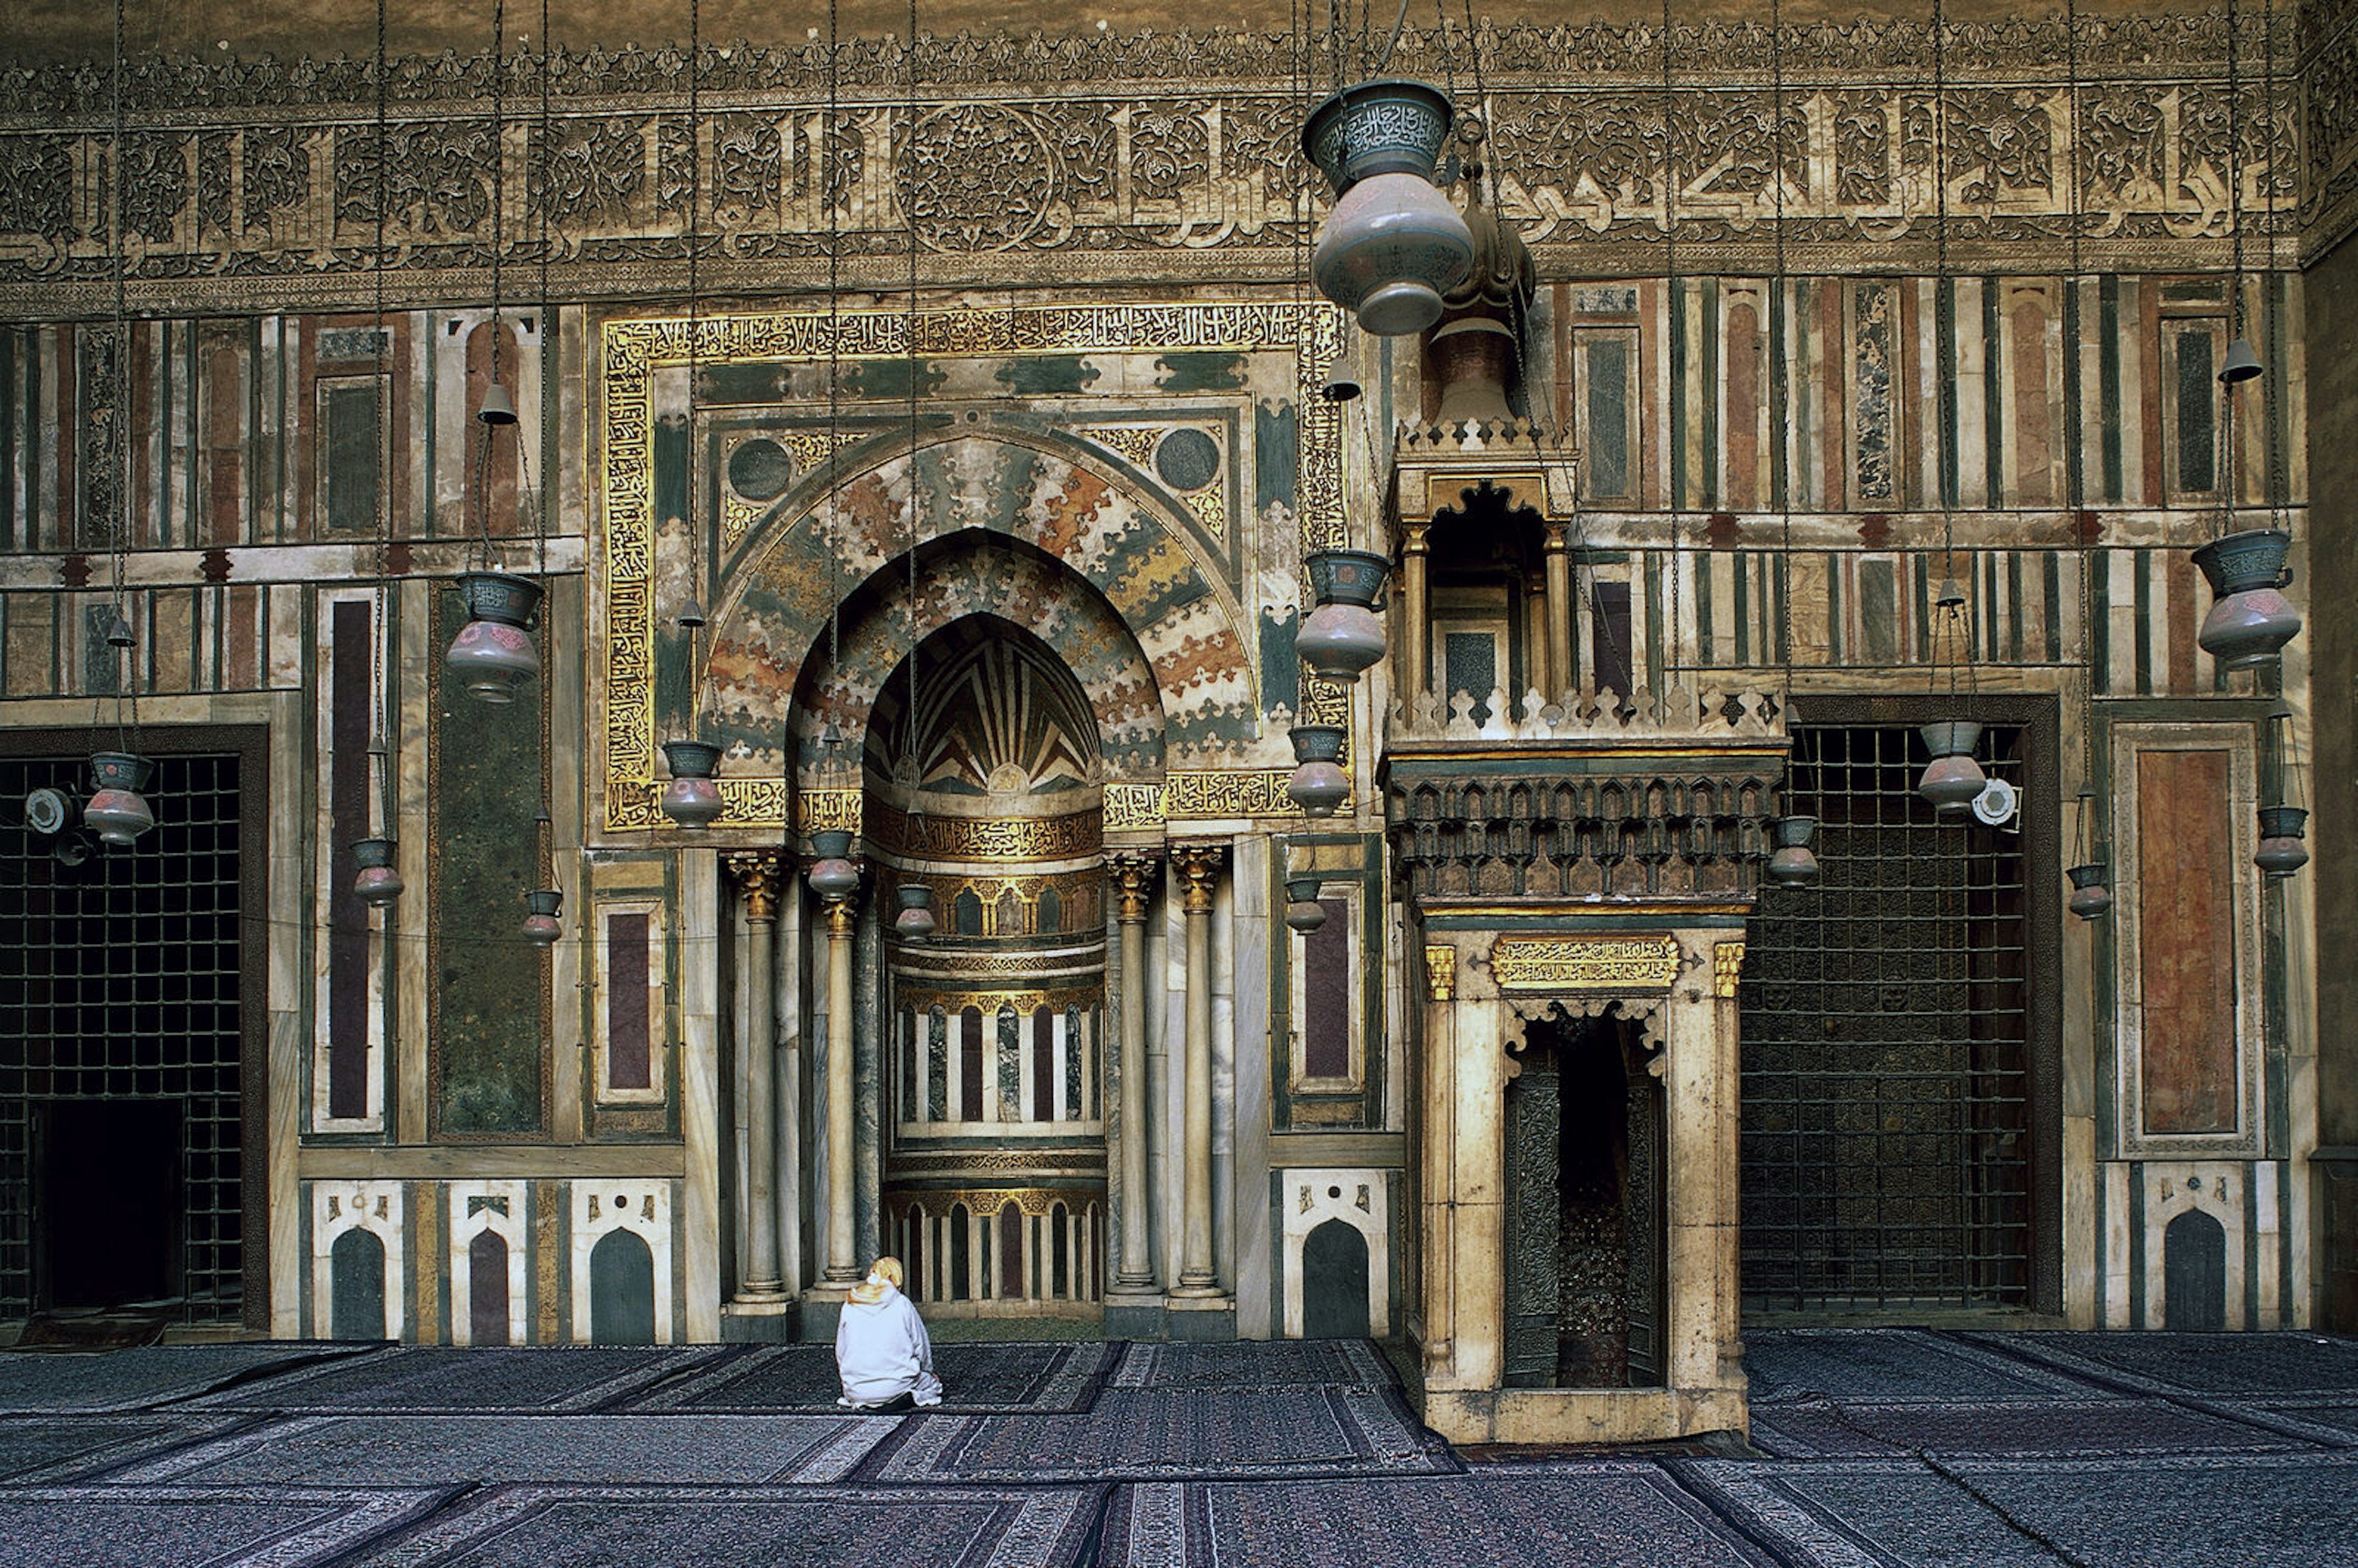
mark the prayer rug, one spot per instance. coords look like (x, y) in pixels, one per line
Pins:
(1627, 1514)
(46, 1448)
(2006, 1427)
(2331, 1421)
(975, 1378)
(743, 1527)
(1256, 1364)
(418, 1380)
(2263, 1510)
(1143, 1435)
(2154, 1361)
(1887, 1365)
(149, 1374)
(408, 1450)
(197, 1527)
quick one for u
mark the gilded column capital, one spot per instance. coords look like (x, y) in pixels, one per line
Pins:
(1440, 971)
(842, 915)
(1415, 536)
(759, 875)
(1133, 881)
(1555, 535)
(1198, 866)
(1727, 969)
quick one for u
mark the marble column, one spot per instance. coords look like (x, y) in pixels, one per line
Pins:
(1557, 676)
(842, 920)
(759, 877)
(1134, 876)
(1416, 611)
(1199, 870)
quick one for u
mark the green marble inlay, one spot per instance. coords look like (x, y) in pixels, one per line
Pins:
(1037, 374)
(1200, 371)
(488, 1064)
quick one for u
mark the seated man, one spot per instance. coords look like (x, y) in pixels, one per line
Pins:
(881, 1351)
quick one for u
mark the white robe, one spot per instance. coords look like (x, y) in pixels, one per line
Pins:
(881, 1351)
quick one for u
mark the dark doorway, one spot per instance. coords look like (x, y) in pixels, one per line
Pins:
(1334, 1283)
(107, 1201)
(1585, 1211)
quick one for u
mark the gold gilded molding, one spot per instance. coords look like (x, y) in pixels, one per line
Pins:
(920, 998)
(1440, 970)
(1216, 795)
(991, 838)
(822, 810)
(1585, 963)
(633, 351)
(1727, 969)
(1130, 807)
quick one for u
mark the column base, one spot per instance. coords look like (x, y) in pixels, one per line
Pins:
(1135, 1315)
(1207, 1317)
(822, 1306)
(760, 1320)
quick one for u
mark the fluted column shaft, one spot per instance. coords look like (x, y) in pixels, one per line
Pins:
(1199, 868)
(841, 1267)
(757, 880)
(1134, 883)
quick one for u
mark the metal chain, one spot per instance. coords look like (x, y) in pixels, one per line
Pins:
(1677, 299)
(909, 216)
(380, 750)
(118, 522)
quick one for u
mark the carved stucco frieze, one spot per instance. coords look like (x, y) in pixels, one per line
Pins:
(1694, 830)
(1158, 156)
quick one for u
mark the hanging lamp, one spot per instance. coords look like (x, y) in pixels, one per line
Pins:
(377, 881)
(1952, 779)
(1392, 242)
(692, 797)
(915, 921)
(2281, 851)
(116, 810)
(831, 873)
(492, 654)
(2091, 895)
(2249, 620)
(1319, 784)
(1342, 635)
(1304, 912)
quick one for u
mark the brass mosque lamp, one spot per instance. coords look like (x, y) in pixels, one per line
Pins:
(692, 797)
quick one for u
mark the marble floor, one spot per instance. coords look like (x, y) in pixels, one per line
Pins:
(1870, 1448)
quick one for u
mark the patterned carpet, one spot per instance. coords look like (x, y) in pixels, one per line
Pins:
(1889, 1365)
(2231, 1364)
(411, 1450)
(1140, 1435)
(136, 1378)
(1629, 1514)
(431, 1380)
(181, 1527)
(48, 1448)
(2006, 1427)
(1881, 1449)
(2248, 1511)
(1276, 1364)
(975, 1378)
(741, 1527)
